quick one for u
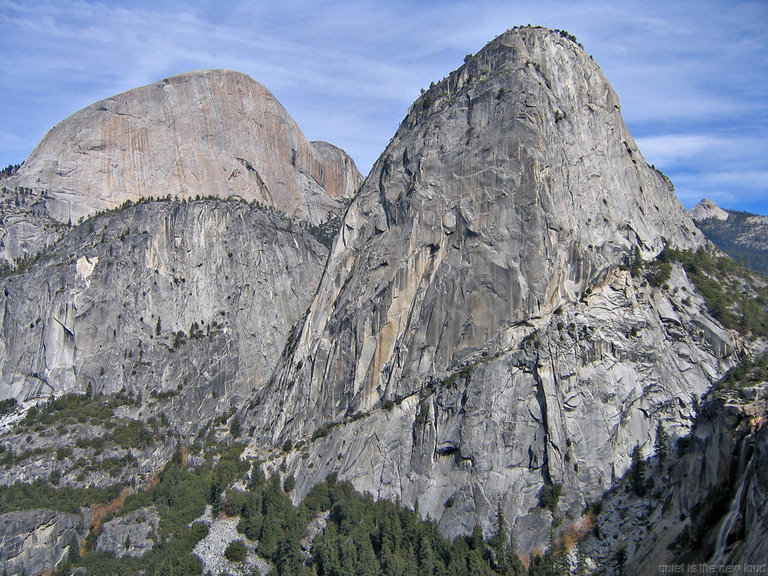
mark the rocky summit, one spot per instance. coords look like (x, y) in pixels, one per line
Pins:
(741, 235)
(208, 133)
(707, 209)
(473, 310)
(515, 314)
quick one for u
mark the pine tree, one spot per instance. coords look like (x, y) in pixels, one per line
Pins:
(637, 471)
(235, 428)
(506, 561)
(476, 558)
(621, 560)
(501, 537)
(428, 564)
(660, 444)
(636, 262)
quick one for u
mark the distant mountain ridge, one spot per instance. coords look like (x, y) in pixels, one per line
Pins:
(741, 235)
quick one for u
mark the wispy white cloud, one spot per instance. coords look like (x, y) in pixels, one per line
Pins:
(668, 148)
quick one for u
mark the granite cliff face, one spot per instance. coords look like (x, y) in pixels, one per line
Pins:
(25, 226)
(509, 189)
(482, 328)
(192, 299)
(208, 133)
(472, 312)
(129, 535)
(34, 541)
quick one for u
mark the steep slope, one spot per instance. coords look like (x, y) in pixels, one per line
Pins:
(127, 335)
(207, 133)
(25, 226)
(741, 235)
(192, 300)
(702, 500)
(473, 339)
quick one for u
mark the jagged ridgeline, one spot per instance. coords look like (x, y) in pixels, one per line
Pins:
(741, 235)
(516, 312)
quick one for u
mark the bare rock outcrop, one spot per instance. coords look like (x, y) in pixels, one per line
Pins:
(187, 301)
(130, 535)
(339, 175)
(708, 209)
(34, 541)
(207, 133)
(451, 319)
(210, 551)
(26, 228)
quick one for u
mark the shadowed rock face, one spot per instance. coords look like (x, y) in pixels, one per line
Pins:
(704, 502)
(190, 297)
(205, 133)
(511, 190)
(34, 541)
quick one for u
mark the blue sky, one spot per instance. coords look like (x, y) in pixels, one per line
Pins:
(692, 75)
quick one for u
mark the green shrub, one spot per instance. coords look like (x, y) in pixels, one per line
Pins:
(132, 434)
(235, 428)
(732, 295)
(748, 371)
(76, 409)
(8, 406)
(236, 551)
(38, 494)
(658, 274)
(549, 496)
(595, 507)
(321, 432)
(63, 452)
(96, 443)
